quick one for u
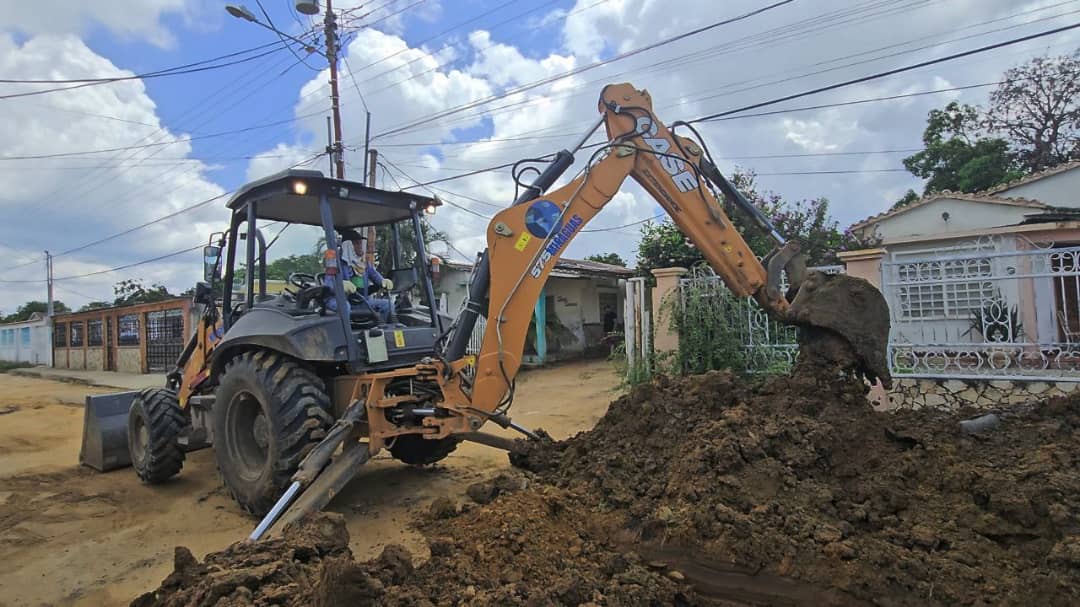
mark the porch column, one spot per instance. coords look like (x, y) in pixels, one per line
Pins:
(541, 323)
(864, 263)
(665, 339)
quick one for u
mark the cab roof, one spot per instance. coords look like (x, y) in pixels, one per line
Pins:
(292, 196)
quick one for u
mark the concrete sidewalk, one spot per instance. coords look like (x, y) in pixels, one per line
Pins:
(105, 379)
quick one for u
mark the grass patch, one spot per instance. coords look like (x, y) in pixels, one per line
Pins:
(7, 365)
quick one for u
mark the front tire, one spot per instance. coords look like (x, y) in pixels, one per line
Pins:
(155, 422)
(269, 411)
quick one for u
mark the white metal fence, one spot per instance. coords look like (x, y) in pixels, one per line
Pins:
(996, 308)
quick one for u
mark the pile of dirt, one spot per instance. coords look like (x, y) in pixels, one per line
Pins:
(709, 490)
(800, 478)
(534, 547)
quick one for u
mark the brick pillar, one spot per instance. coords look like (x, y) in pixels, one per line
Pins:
(667, 283)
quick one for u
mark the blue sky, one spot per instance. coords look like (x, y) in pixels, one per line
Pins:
(407, 74)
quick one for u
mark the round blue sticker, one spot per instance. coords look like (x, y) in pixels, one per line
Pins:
(542, 218)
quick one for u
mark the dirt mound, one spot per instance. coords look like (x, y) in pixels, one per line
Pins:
(800, 478)
(534, 547)
(708, 490)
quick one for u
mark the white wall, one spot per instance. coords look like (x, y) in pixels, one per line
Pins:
(964, 215)
(576, 301)
(28, 341)
(455, 283)
(1059, 190)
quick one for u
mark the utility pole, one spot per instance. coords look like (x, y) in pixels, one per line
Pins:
(311, 7)
(372, 162)
(330, 24)
(49, 282)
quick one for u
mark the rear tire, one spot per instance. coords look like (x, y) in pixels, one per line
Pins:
(269, 411)
(155, 422)
(416, 450)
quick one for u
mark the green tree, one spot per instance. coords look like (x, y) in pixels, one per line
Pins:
(613, 259)
(24, 311)
(909, 197)
(1037, 108)
(133, 291)
(95, 305)
(664, 245)
(279, 269)
(956, 157)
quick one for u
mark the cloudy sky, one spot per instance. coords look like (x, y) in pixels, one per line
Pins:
(452, 86)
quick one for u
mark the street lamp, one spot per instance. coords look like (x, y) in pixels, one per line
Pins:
(241, 12)
(308, 7)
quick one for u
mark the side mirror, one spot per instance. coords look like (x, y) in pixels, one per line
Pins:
(211, 258)
(204, 293)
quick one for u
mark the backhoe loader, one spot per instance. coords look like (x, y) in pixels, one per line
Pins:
(296, 394)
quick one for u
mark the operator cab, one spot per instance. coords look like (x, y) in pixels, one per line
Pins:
(314, 318)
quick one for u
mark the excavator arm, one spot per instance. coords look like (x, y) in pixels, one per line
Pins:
(525, 240)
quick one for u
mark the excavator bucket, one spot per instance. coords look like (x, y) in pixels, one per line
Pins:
(105, 438)
(845, 322)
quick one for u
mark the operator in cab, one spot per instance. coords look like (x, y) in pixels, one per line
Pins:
(361, 278)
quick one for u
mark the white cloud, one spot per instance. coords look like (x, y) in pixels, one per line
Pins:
(68, 202)
(134, 19)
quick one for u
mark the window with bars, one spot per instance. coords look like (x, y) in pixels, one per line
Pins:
(93, 333)
(76, 334)
(944, 290)
(60, 335)
(129, 330)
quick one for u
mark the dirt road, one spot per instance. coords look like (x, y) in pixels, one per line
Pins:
(70, 536)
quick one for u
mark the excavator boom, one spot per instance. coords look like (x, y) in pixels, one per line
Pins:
(525, 240)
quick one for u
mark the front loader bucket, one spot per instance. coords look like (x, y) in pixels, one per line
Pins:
(105, 437)
(829, 306)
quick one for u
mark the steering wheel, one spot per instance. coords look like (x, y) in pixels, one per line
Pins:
(302, 280)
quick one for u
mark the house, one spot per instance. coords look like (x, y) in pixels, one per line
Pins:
(983, 284)
(573, 304)
(142, 338)
(26, 341)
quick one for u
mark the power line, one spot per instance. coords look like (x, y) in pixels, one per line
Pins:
(584, 68)
(885, 73)
(418, 45)
(71, 291)
(281, 37)
(627, 225)
(446, 31)
(148, 76)
(377, 61)
(771, 37)
(856, 102)
(752, 157)
(141, 226)
(116, 269)
(163, 71)
(161, 143)
(766, 38)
